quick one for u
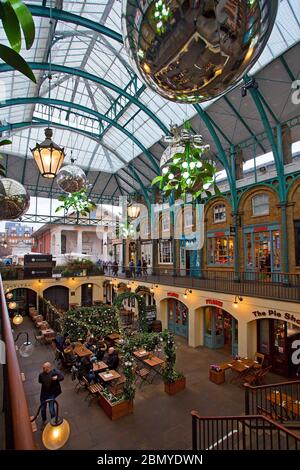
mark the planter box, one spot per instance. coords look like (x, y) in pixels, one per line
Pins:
(175, 387)
(116, 411)
(217, 377)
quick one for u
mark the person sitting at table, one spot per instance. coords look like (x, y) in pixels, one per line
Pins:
(86, 370)
(101, 349)
(60, 341)
(69, 353)
(112, 359)
(90, 344)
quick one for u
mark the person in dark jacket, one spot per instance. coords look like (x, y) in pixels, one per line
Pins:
(112, 360)
(50, 380)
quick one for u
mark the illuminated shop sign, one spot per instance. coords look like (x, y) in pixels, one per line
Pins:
(218, 303)
(173, 294)
(274, 314)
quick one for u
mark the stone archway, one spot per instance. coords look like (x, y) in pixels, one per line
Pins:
(25, 298)
(142, 317)
(58, 296)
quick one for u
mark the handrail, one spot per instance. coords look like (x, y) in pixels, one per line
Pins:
(20, 419)
(245, 418)
(278, 384)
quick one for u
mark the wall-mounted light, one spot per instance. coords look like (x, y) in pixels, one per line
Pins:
(128, 285)
(89, 286)
(152, 289)
(39, 281)
(186, 293)
(237, 299)
(17, 319)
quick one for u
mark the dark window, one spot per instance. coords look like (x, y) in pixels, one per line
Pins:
(297, 242)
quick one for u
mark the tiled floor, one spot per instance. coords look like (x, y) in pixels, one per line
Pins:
(159, 421)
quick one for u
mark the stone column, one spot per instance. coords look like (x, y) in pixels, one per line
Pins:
(79, 241)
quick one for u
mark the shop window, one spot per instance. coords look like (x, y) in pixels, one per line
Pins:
(219, 213)
(188, 217)
(220, 250)
(165, 252)
(297, 242)
(165, 222)
(260, 205)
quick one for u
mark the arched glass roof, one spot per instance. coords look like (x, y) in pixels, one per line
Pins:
(94, 117)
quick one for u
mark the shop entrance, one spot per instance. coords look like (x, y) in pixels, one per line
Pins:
(87, 295)
(24, 298)
(262, 250)
(178, 318)
(275, 340)
(221, 330)
(58, 296)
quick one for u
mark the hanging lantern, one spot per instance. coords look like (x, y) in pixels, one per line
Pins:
(194, 51)
(17, 319)
(71, 179)
(9, 295)
(12, 305)
(14, 199)
(48, 156)
(133, 211)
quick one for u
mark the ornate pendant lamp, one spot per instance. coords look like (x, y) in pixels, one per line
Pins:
(133, 211)
(48, 156)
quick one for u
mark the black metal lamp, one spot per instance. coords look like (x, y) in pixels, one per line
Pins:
(48, 156)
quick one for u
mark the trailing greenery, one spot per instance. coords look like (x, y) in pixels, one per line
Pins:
(77, 202)
(75, 268)
(188, 173)
(118, 302)
(149, 342)
(16, 19)
(80, 322)
(2, 168)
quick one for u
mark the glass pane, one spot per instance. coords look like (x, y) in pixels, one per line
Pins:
(264, 336)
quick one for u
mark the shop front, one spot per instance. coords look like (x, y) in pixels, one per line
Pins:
(146, 255)
(178, 318)
(220, 328)
(278, 340)
(190, 263)
(262, 249)
(220, 248)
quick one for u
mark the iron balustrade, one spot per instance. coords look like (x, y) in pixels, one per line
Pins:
(253, 432)
(18, 430)
(279, 401)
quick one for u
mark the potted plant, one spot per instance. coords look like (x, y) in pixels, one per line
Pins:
(174, 381)
(115, 407)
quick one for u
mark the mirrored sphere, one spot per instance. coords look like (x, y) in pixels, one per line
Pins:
(192, 51)
(14, 199)
(71, 178)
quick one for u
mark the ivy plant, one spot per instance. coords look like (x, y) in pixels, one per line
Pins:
(77, 202)
(16, 19)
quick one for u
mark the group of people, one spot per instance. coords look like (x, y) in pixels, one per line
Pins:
(138, 270)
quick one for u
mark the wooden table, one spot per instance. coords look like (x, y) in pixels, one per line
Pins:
(240, 366)
(48, 332)
(113, 336)
(81, 350)
(154, 361)
(99, 365)
(283, 402)
(141, 353)
(109, 375)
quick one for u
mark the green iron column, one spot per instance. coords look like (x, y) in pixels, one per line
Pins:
(283, 206)
(154, 241)
(172, 231)
(235, 215)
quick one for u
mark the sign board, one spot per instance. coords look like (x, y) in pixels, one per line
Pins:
(216, 302)
(261, 229)
(232, 230)
(274, 314)
(29, 260)
(173, 294)
(151, 313)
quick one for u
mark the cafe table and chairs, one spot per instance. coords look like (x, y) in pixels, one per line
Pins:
(239, 367)
(284, 406)
(109, 375)
(82, 350)
(99, 366)
(155, 364)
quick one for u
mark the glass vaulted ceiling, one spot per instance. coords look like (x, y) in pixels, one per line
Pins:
(96, 144)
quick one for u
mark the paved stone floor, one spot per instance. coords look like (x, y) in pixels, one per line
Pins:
(159, 421)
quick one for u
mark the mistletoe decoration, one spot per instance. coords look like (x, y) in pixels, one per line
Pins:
(77, 202)
(162, 14)
(187, 172)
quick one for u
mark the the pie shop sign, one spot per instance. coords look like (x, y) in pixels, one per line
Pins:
(277, 315)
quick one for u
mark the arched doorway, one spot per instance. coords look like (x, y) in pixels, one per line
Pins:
(58, 296)
(178, 318)
(220, 329)
(24, 299)
(87, 295)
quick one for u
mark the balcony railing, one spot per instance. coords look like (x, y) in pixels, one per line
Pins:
(18, 431)
(281, 286)
(252, 432)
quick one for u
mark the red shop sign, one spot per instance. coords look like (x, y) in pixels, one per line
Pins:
(219, 234)
(218, 303)
(173, 294)
(261, 229)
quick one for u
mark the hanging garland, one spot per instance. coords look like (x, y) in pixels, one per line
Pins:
(118, 302)
(79, 322)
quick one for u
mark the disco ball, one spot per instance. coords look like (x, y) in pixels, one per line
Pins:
(194, 51)
(71, 178)
(14, 199)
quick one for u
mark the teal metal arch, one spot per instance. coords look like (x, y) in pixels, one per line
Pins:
(61, 15)
(42, 123)
(67, 104)
(95, 79)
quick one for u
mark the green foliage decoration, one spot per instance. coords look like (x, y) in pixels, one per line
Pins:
(99, 320)
(16, 19)
(118, 302)
(77, 202)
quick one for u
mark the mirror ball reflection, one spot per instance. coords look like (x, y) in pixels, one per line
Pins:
(192, 51)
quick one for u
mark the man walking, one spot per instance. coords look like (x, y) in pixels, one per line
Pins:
(49, 379)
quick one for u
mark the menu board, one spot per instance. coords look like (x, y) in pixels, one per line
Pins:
(151, 313)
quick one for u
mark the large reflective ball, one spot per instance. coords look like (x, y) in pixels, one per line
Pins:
(71, 178)
(14, 199)
(192, 51)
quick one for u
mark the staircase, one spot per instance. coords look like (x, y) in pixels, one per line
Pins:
(270, 412)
